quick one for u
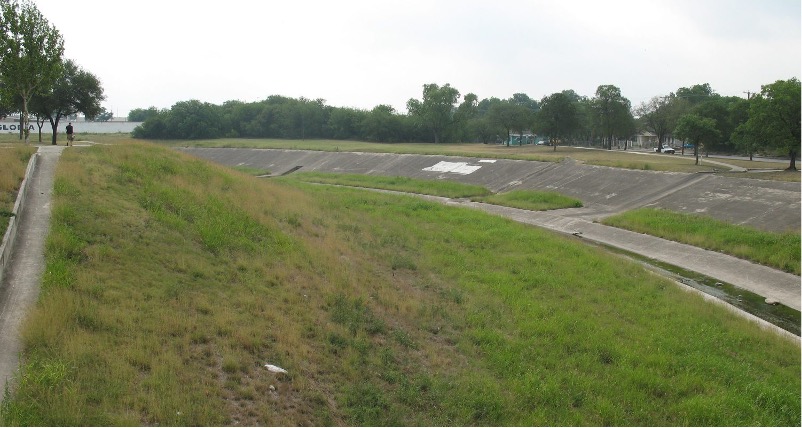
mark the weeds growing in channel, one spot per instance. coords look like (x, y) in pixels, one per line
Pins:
(447, 189)
(531, 200)
(170, 284)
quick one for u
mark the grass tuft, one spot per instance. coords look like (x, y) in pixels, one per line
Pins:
(531, 200)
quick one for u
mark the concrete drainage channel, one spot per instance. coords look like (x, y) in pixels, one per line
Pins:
(766, 312)
(605, 191)
(771, 315)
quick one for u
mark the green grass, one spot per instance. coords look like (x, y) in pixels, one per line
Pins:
(171, 282)
(13, 162)
(531, 200)
(778, 250)
(447, 189)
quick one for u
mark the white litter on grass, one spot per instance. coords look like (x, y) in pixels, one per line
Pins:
(453, 167)
(274, 369)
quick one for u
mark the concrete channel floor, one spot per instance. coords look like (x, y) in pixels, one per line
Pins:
(21, 282)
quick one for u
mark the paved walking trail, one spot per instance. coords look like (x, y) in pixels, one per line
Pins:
(20, 287)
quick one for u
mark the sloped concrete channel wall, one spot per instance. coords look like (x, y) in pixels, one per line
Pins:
(10, 236)
(763, 204)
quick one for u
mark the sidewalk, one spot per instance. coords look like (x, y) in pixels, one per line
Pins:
(20, 287)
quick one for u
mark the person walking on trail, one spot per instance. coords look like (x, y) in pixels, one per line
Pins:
(70, 135)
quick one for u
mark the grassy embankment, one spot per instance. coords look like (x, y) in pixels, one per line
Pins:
(13, 162)
(778, 250)
(170, 283)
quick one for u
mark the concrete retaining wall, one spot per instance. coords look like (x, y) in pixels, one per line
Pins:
(7, 245)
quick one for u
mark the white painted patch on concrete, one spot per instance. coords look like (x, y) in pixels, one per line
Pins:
(453, 167)
(487, 161)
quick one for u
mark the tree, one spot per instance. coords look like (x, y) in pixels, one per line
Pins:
(774, 114)
(659, 116)
(522, 99)
(381, 124)
(344, 123)
(436, 110)
(696, 130)
(510, 117)
(103, 116)
(696, 94)
(141, 115)
(31, 51)
(558, 117)
(466, 112)
(74, 91)
(612, 114)
(745, 140)
(194, 120)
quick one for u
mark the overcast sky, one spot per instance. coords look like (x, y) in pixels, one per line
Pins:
(355, 53)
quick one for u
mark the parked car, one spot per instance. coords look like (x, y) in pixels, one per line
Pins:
(688, 146)
(668, 150)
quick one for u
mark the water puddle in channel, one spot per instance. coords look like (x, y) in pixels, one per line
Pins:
(780, 315)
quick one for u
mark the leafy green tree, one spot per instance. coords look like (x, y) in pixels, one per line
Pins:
(720, 109)
(696, 130)
(510, 117)
(612, 114)
(558, 117)
(467, 111)
(435, 111)
(194, 120)
(382, 124)
(74, 91)
(31, 51)
(484, 129)
(345, 123)
(745, 140)
(103, 116)
(522, 99)
(141, 115)
(695, 94)
(774, 115)
(659, 116)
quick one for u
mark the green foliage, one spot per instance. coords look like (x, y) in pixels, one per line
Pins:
(448, 189)
(435, 111)
(141, 115)
(612, 117)
(32, 51)
(696, 130)
(779, 250)
(774, 117)
(558, 116)
(532, 200)
(75, 90)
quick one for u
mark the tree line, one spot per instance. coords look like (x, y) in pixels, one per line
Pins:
(764, 123)
(35, 79)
